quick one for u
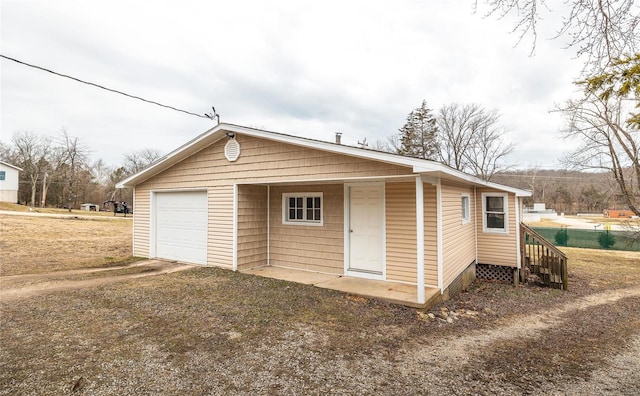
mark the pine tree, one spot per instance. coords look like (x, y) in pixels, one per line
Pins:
(418, 137)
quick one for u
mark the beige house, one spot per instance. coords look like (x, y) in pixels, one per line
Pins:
(244, 198)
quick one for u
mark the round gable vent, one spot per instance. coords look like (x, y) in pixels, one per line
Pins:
(232, 150)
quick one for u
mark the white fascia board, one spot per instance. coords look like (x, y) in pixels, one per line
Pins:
(446, 172)
(11, 166)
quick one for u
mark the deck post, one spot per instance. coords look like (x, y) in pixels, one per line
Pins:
(420, 237)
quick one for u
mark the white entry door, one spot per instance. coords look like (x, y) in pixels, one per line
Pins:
(366, 229)
(181, 226)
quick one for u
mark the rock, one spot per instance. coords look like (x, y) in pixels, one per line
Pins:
(449, 320)
(431, 316)
(471, 313)
(442, 315)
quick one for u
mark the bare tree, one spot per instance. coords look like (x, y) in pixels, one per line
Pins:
(488, 152)
(30, 154)
(138, 160)
(390, 145)
(607, 142)
(470, 139)
(600, 30)
(75, 155)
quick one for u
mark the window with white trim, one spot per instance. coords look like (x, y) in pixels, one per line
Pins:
(3, 175)
(495, 217)
(302, 208)
(465, 202)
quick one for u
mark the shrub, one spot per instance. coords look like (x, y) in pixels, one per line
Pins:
(606, 240)
(562, 237)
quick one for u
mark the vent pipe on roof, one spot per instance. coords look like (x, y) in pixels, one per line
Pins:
(338, 136)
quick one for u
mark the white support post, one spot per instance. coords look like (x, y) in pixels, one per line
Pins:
(234, 247)
(420, 237)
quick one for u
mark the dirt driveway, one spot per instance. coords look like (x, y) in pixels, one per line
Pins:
(30, 285)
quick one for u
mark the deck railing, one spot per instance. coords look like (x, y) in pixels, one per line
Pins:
(543, 259)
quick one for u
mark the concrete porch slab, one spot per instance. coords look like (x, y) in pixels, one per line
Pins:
(292, 275)
(395, 293)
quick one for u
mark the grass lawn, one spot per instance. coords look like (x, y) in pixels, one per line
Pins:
(31, 244)
(213, 331)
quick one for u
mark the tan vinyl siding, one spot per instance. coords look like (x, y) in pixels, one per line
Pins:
(497, 249)
(430, 236)
(400, 208)
(309, 247)
(220, 238)
(252, 226)
(260, 161)
(141, 222)
(458, 240)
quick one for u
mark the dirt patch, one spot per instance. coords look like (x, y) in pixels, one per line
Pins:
(23, 286)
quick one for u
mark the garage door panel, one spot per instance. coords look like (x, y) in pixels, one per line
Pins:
(181, 226)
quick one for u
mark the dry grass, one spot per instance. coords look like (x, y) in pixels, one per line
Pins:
(31, 244)
(213, 331)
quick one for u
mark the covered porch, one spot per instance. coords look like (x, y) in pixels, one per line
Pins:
(391, 292)
(366, 237)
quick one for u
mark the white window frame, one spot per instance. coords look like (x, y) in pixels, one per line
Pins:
(505, 202)
(304, 196)
(3, 175)
(465, 206)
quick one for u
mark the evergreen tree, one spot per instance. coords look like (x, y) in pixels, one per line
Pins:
(418, 137)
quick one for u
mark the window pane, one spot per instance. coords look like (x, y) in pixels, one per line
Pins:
(465, 205)
(316, 202)
(299, 202)
(292, 214)
(495, 204)
(309, 203)
(292, 202)
(317, 215)
(495, 220)
(299, 214)
(309, 214)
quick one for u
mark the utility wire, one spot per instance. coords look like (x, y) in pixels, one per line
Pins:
(108, 89)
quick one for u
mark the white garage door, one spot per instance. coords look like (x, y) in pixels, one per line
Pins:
(181, 226)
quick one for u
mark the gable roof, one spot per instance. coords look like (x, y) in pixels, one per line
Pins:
(419, 166)
(11, 166)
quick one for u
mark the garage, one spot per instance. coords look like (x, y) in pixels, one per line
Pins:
(181, 226)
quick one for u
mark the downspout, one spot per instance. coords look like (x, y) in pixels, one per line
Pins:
(268, 225)
(439, 234)
(518, 254)
(133, 250)
(475, 219)
(420, 237)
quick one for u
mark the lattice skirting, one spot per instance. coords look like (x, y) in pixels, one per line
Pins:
(494, 272)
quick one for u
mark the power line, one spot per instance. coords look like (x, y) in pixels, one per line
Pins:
(211, 116)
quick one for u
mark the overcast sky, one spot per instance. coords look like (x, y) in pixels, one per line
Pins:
(307, 68)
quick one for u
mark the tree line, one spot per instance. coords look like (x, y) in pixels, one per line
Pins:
(57, 171)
